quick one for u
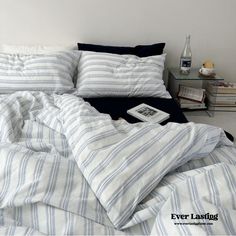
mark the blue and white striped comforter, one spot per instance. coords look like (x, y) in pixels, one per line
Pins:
(67, 169)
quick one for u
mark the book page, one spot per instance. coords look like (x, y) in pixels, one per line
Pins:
(191, 93)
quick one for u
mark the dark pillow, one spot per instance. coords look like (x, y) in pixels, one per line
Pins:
(149, 50)
(107, 49)
(140, 50)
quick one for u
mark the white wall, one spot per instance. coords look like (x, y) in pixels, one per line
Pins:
(212, 24)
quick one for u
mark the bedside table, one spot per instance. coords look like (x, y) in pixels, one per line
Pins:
(193, 79)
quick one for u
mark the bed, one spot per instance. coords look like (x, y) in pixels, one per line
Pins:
(68, 168)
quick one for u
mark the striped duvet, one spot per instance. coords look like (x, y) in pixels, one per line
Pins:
(67, 169)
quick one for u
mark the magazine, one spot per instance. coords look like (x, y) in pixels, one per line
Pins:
(148, 113)
(221, 87)
(221, 100)
(188, 104)
(193, 94)
(221, 108)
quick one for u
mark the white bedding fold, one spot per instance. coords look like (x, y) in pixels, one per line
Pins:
(123, 163)
(141, 173)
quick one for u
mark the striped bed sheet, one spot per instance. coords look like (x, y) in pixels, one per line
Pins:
(52, 145)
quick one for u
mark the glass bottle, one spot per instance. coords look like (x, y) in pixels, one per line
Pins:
(186, 57)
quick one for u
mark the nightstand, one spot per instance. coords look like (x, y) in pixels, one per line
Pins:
(222, 119)
(193, 79)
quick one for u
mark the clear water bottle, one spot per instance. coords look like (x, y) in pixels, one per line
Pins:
(186, 57)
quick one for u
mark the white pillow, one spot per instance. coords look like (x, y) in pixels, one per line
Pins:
(33, 49)
(104, 74)
(52, 72)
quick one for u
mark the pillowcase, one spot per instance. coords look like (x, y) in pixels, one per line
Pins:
(112, 75)
(51, 72)
(140, 50)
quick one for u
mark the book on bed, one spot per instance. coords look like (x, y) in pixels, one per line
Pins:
(148, 113)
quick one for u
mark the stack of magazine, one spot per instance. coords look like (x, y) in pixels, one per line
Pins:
(191, 98)
(221, 96)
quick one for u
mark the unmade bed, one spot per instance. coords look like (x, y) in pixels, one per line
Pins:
(73, 162)
(68, 169)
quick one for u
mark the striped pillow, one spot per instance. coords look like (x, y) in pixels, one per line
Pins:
(109, 75)
(50, 72)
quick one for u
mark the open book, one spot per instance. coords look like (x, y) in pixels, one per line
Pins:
(193, 94)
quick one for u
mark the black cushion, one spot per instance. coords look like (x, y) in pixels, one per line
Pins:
(140, 50)
(149, 50)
